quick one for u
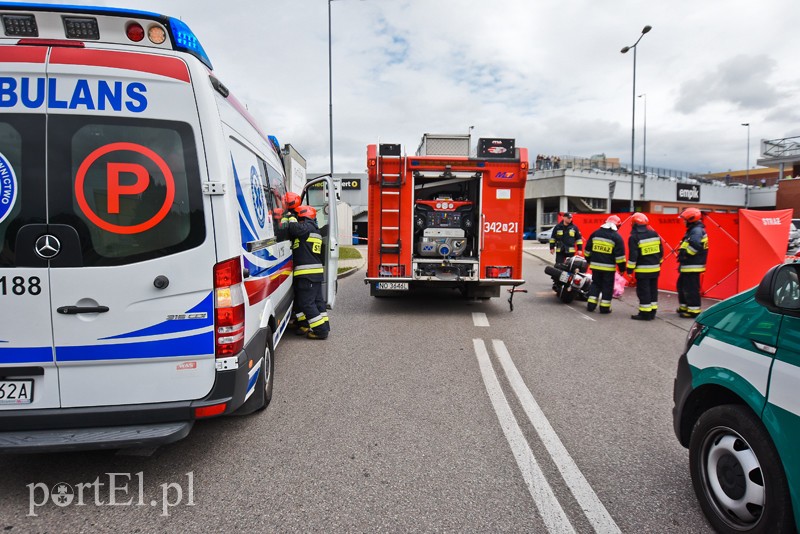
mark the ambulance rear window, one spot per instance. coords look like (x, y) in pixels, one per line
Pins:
(22, 179)
(130, 187)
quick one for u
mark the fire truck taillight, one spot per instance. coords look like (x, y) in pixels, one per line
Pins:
(371, 162)
(228, 308)
(498, 271)
(392, 270)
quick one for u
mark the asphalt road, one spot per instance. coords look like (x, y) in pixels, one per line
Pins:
(419, 413)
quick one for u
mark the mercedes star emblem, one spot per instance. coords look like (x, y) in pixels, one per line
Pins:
(48, 246)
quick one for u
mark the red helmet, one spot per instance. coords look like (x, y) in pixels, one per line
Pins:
(306, 212)
(291, 200)
(613, 219)
(639, 218)
(691, 215)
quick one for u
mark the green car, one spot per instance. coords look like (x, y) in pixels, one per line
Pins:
(737, 406)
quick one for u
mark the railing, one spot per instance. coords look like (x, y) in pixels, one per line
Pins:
(781, 148)
(602, 165)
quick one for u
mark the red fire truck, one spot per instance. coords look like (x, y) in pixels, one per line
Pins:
(441, 218)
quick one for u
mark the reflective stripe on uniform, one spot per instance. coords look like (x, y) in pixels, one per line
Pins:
(301, 272)
(603, 266)
(605, 303)
(648, 269)
(692, 268)
(317, 321)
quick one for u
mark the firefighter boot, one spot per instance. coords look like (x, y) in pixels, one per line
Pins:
(302, 331)
(642, 316)
(315, 335)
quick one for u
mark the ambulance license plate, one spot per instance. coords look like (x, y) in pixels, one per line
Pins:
(16, 391)
(392, 286)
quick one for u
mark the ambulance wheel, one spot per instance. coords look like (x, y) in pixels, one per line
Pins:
(737, 474)
(262, 395)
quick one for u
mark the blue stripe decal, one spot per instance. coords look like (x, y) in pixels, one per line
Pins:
(183, 325)
(253, 380)
(244, 216)
(26, 355)
(197, 345)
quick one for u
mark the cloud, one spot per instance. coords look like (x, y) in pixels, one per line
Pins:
(742, 81)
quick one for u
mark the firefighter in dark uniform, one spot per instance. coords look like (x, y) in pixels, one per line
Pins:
(605, 252)
(308, 272)
(291, 201)
(692, 256)
(645, 254)
(565, 240)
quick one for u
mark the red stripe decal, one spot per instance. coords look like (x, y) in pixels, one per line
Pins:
(260, 288)
(22, 54)
(161, 65)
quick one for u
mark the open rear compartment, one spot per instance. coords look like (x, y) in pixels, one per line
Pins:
(446, 230)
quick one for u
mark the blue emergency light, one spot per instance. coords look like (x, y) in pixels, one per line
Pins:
(183, 39)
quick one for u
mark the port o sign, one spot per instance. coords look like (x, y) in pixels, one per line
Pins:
(116, 190)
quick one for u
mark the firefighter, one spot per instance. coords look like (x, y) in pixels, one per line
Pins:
(605, 252)
(692, 256)
(308, 273)
(291, 201)
(645, 254)
(565, 240)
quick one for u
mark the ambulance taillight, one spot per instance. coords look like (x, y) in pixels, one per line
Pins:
(228, 308)
(134, 31)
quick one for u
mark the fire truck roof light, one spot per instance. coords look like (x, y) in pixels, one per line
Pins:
(183, 39)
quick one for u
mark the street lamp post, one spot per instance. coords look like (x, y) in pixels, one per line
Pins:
(633, 112)
(330, 84)
(644, 151)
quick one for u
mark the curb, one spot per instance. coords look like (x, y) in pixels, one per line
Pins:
(350, 271)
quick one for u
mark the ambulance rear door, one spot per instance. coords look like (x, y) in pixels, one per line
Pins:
(320, 193)
(28, 375)
(131, 285)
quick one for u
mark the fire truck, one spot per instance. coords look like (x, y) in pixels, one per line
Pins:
(441, 218)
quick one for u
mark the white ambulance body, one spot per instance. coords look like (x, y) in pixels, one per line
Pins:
(143, 282)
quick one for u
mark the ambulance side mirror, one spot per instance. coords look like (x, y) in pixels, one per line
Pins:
(779, 290)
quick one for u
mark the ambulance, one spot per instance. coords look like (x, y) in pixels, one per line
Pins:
(144, 281)
(737, 407)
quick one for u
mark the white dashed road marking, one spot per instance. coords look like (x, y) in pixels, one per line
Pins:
(480, 319)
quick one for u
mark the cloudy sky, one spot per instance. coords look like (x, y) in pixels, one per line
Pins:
(546, 72)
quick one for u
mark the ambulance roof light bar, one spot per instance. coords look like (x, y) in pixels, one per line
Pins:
(183, 39)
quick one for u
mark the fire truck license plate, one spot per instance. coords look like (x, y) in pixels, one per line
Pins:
(392, 286)
(16, 391)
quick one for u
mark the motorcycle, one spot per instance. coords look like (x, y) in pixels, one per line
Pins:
(570, 279)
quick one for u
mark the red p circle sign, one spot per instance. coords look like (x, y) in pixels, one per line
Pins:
(115, 189)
